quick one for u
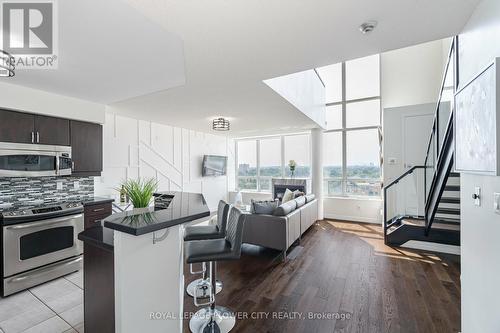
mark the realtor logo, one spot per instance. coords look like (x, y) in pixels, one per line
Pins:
(29, 33)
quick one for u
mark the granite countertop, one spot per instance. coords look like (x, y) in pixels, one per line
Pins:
(184, 207)
(98, 236)
(96, 201)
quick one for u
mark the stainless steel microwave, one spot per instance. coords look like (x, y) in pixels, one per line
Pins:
(30, 160)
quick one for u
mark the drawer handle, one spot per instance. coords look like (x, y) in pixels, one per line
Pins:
(98, 210)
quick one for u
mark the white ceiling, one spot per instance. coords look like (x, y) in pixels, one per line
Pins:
(230, 46)
(108, 52)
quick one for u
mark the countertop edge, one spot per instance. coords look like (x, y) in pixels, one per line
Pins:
(97, 201)
(93, 241)
(155, 227)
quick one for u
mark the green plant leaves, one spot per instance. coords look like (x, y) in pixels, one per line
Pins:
(140, 191)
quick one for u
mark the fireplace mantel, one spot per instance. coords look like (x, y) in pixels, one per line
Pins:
(291, 183)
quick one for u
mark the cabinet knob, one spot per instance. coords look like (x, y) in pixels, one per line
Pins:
(475, 196)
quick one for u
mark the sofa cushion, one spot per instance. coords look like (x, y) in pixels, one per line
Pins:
(285, 208)
(298, 193)
(310, 197)
(301, 201)
(263, 207)
(287, 196)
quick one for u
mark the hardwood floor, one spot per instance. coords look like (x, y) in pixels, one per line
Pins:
(342, 270)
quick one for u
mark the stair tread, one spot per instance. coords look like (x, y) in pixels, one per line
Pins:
(450, 200)
(452, 211)
(454, 174)
(452, 188)
(435, 224)
(446, 220)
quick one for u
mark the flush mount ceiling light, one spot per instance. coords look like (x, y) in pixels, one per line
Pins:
(367, 27)
(220, 124)
(6, 64)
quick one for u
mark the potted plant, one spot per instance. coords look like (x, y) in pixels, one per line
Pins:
(140, 192)
(292, 165)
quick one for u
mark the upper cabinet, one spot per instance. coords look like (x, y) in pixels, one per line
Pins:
(84, 138)
(28, 128)
(52, 131)
(86, 143)
(16, 127)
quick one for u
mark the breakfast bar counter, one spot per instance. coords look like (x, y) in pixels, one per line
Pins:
(133, 267)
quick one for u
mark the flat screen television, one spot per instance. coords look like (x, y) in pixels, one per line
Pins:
(214, 165)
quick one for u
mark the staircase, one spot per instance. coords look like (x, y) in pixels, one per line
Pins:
(448, 211)
(423, 204)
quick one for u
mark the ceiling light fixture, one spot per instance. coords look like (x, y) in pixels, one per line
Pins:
(367, 27)
(6, 64)
(220, 124)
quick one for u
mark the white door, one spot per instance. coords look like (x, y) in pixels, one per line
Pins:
(416, 133)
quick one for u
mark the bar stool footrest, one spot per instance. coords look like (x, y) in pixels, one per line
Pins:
(224, 318)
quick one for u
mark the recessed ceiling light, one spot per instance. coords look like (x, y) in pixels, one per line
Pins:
(367, 27)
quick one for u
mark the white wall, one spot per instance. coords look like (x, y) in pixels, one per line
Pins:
(480, 227)
(353, 209)
(393, 145)
(413, 75)
(37, 101)
(303, 90)
(137, 148)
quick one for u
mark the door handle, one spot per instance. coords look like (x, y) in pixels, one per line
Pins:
(44, 223)
(37, 137)
(45, 270)
(32, 137)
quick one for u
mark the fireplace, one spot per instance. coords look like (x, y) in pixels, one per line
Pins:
(279, 186)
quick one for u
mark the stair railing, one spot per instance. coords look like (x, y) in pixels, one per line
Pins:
(398, 212)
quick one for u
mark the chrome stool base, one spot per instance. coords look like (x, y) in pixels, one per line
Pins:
(192, 287)
(224, 319)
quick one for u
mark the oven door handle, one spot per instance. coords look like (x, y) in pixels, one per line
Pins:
(45, 269)
(43, 223)
(58, 164)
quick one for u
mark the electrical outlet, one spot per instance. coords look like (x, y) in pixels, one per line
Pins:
(76, 185)
(392, 160)
(496, 202)
(59, 185)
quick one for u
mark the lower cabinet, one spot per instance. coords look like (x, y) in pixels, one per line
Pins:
(95, 213)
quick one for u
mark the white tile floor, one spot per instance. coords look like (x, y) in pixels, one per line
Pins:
(53, 307)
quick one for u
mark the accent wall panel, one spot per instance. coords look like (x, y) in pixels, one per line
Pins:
(172, 155)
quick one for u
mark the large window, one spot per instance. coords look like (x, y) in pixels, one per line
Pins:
(258, 160)
(351, 156)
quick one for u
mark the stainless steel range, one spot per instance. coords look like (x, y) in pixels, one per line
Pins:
(40, 244)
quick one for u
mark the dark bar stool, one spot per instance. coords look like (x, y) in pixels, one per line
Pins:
(205, 232)
(215, 319)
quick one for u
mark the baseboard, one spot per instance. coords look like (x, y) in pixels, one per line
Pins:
(434, 247)
(352, 218)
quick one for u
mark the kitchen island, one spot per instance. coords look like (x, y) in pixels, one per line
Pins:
(133, 267)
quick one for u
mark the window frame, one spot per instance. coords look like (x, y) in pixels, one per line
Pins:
(344, 130)
(258, 177)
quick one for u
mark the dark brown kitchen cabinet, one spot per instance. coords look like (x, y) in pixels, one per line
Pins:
(21, 127)
(16, 127)
(86, 143)
(52, 131)
(94, 214)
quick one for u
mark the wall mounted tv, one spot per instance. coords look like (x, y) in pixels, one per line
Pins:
(214, 165)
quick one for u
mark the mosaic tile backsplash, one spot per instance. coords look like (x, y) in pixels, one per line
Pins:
(30, 192)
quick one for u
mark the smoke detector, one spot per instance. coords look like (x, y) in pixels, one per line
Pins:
(367, 27)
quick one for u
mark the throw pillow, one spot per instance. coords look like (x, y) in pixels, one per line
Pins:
(298, 193)
(263, 207)
(287, 196)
